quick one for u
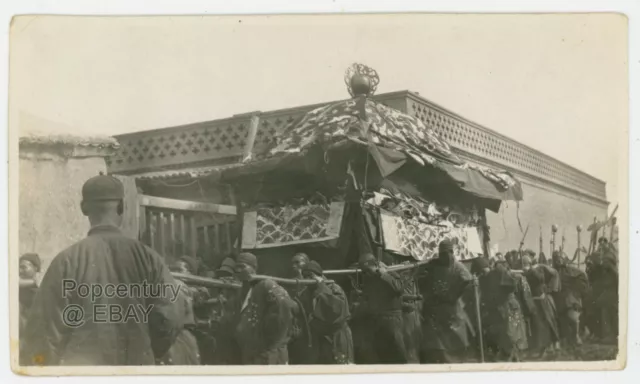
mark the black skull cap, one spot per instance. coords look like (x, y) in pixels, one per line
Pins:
(102, 188)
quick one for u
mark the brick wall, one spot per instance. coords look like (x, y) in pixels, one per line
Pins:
(50, 218)
(543, 206)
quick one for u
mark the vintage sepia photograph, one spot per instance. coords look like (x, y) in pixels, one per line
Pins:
(336, 193)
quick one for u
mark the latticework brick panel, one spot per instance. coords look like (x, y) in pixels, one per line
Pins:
(488, 145)
(179, 145)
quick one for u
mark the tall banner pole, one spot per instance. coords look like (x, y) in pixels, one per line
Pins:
(593, 241)
(554, 229)
(541, 246)
(579, 229)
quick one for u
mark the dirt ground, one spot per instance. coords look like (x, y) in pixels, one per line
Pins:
(589, 351)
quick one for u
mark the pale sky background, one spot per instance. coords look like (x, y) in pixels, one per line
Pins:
(557, 83)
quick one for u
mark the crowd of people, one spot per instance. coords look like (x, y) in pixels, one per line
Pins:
(522, 307)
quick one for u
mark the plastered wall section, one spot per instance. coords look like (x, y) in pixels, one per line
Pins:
(542, 207)
(49, 204)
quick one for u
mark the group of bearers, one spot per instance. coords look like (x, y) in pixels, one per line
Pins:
(539, 308)
(426, 315)
(422, 315)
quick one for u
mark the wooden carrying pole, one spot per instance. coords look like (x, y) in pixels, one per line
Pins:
(205, 281)
(394, 268)
(284, 281)
(217, 283)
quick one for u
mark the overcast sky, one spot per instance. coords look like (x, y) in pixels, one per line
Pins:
(556, 83)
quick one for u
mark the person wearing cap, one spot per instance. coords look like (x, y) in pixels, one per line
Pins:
(411, 317)
(226, 347)
(503, 314)
(300, 345)
(411, 308)
(105, 258)
(185, 349)
(227, 269)
(382, 293)
(192, 345)
(327, 310)
(479, 266)
(265, 316)
(442, 282)
(601, 307)
(574, 286)
(227, 297)
(543, 280)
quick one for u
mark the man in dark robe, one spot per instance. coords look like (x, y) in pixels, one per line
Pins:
(502, 314)
(573, 287)
(185, 350)
(479, 267)
(227, 351)
(411, 317)
(109, 260)
(445, 324)
(265, 316)
(525, 298)
(360, 323)
(327, 309)
(411, 308)
(602, 271)
(382, 291)
(301, 346)
(544, 282)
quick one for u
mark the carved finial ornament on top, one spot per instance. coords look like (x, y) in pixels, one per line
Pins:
(361, 80)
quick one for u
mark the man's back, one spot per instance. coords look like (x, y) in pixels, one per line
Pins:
(383, 292)
(106, 300)
(573, 286)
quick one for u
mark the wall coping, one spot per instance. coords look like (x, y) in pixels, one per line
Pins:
(35, 146)
(417, 97)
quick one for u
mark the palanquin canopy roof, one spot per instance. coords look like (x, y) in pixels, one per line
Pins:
(397, 142)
